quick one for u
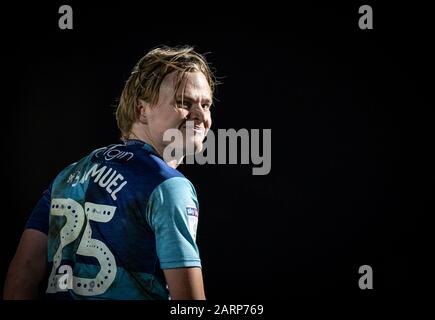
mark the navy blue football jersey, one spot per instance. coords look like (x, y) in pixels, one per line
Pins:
(114, 220)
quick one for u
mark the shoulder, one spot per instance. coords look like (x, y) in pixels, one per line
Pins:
(175, 189)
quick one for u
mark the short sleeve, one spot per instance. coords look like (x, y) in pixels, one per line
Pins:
(39, 218)
(172, 213)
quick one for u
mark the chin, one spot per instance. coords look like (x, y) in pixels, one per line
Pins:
(196, 145)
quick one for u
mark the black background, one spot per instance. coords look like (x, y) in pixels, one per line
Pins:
(348, 109)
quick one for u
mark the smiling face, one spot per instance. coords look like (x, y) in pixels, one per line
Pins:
(191, 102)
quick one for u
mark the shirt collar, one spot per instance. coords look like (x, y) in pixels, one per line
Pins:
(146, 146)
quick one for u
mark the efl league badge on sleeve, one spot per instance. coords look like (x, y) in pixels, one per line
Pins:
(192, 218)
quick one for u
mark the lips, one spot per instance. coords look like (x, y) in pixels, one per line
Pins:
(196, 128)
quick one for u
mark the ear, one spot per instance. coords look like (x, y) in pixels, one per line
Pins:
(141, 108)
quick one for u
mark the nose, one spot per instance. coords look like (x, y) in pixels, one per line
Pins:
(197, 114)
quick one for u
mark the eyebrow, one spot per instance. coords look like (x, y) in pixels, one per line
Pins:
(190, 99)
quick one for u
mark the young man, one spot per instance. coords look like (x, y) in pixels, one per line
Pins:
(121, 222)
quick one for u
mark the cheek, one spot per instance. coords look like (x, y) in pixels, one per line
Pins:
(173, 118)
(180, 115)
(207, 122)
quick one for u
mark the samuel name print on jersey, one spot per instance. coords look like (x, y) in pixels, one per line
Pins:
(117, 218)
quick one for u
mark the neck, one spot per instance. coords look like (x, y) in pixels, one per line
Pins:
(174, 163)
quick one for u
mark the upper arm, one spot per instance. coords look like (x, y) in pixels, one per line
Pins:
(185, 283)
(173, 215)
(32, 249)
(28, 267)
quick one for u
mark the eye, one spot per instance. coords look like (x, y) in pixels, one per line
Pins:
(183, 104)
(206, 106)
